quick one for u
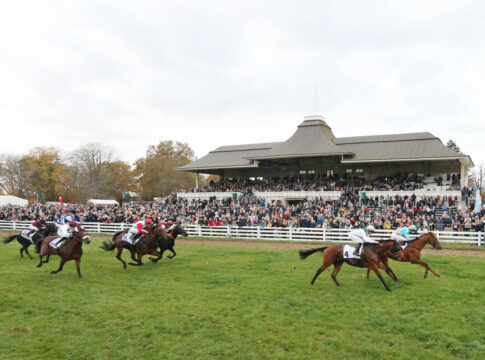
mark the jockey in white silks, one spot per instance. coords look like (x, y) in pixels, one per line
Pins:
(362, 236)
(65, 232)
(138, 228)
(63, 226)
(403, 233)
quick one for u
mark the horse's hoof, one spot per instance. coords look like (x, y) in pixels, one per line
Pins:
(39, 265)
(53, 272)
(132, 264)
(389, 290)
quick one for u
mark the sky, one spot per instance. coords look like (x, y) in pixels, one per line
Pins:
(129, 74)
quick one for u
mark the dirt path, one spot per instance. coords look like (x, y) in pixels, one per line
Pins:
(287, 245)
(265, 244)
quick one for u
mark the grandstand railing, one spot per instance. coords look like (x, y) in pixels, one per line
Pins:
(419, 193)
(269, 233)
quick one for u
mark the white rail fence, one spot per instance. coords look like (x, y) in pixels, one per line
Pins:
(269, 233)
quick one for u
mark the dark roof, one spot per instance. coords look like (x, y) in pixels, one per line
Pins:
(314, 138)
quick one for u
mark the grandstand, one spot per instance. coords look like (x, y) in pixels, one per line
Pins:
(315, 154)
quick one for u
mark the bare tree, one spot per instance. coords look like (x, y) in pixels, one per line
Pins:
(90, 161)
(452, 145)
(478, 174)
(14, 179)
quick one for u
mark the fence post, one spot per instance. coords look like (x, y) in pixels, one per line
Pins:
(14, 225)
(258, 234)
(200, 230)
(98, 227)
(324, 234)
(480, 238)
(291, 232)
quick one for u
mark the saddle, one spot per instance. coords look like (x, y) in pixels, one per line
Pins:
(57, 243)
(349, 252)
(25, 236)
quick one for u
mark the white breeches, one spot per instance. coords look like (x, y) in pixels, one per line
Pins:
(397, 237)
(32, 227)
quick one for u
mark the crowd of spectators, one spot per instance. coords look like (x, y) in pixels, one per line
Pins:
(349, 211)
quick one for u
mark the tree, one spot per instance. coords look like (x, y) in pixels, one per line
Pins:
(478, 174)
(452, 145)
(14, 176)
(90, 161)
(44, 172)
(118, 178)
(155, 171)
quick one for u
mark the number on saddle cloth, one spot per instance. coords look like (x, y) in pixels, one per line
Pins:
(349, 252)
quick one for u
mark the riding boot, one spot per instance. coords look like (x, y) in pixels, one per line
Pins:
(357, 249)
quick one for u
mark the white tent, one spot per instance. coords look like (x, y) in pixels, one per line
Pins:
(102, 202)
(12, 200)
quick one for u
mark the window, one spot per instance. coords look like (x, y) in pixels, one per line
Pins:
(329, 173)
(311, 171)
(348, 171)
(259, 178)
(359, 170)
(302, 172)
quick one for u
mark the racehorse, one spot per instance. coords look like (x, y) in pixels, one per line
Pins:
(370, 258)
(72, 249)
(412, 252)
(146, 244)
(49, 229)
(167, 241)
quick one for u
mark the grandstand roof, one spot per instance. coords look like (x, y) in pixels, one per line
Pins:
(314, 138)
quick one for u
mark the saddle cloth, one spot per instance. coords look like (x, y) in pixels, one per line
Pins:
(25, 236)
(126, 237)
(349, 252)
(56, 243)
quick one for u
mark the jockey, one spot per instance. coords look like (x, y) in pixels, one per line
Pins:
(403, 233)
(64, 231)
(63, 226)
(362, 236)
(35, 226)
(138, 229)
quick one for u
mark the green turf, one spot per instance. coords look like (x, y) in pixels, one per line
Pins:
(215, 302)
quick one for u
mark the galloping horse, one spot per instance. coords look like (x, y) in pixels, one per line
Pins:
(72, 249)
(370, 258)
(50, 229)
(167, 241)
(412, 252)
(146, 245)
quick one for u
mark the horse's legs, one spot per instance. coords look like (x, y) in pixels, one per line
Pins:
(337, 267)
(118, 256)
(319, 271)
(21, 252)
(378, 273)
(388, 270)
(173, 252)
(27, 252)
(138, 261)
(160, 254)
(41, 262)
(47, 260)
(78, 262)
(426, 266)
(61, 265)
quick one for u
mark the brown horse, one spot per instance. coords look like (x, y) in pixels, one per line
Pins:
(370, 258)
(147, 244)
(412, 252)
(72, 249)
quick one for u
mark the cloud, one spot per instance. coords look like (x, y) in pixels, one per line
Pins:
(130, 74)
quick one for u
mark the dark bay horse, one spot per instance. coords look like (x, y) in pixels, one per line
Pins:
(167, 241)
(71, 250)
(371, 256)
(146, 244)
(49, 229)
(412, 252)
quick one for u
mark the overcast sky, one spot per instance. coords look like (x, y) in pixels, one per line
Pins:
(210, 73)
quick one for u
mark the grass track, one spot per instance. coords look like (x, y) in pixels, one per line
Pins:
(215, 302)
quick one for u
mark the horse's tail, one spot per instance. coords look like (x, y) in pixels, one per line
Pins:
(306, 253)
(8, 239)
(108, 246)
